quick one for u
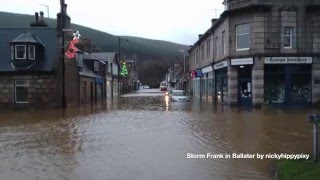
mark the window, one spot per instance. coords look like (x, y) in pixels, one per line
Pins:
(21, 91)
(223, 43)
(242, 37)
(208, 48)
(287, 37)
(216, 47)
(32, 52)
(96, 66)
(20, 52)
(202, 53)
(12, 52)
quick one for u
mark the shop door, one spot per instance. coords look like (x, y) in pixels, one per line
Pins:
(245, 86)
(245, 92)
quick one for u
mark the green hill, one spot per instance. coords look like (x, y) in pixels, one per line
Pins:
(106, 42)
(153, 56)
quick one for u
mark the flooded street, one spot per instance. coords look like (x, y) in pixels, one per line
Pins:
(142, 136)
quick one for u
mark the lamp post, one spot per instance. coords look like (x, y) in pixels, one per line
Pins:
(62, 53)
(119, 52)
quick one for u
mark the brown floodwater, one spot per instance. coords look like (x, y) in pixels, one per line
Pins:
(145, 137)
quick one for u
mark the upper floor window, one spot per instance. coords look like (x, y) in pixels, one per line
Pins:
(23, 52)
(223, 43)
(287, 37)
(20, 52)
(208, 48)
(202, 53)
(216, 47)
(96, 66)
(32, 52)
(243, 37)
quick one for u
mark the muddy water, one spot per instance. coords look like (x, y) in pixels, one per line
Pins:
(145, 137)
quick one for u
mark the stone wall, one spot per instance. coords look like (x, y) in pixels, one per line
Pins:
(42, 91)
(258, 82)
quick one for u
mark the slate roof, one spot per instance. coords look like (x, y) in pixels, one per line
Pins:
(46, 36)
(105, 56)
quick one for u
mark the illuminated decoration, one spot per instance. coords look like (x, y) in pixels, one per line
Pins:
(124, 71)
(72, 51)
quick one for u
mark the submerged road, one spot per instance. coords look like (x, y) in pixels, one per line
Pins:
(141, 136)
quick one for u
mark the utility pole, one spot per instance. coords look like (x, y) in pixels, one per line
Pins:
(62, 52)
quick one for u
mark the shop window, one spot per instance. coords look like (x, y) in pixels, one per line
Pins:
(288, 37)
(243, 37)
(21, 91)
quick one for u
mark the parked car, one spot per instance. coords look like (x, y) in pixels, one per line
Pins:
(179, 95)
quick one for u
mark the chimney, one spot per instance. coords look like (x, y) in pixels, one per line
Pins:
(37, 16)
(39, 21)
(213, 21)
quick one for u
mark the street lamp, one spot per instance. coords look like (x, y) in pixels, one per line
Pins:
(119, 52)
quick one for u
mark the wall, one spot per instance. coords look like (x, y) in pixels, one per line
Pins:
(42, 91)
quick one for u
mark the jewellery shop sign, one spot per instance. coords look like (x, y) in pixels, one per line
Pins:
(288, 60)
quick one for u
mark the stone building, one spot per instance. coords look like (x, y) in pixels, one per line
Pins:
(31, 66)
(260, 52)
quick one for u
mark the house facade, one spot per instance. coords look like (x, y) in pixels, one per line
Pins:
(260, 52)
(111, 75)
(27, 67)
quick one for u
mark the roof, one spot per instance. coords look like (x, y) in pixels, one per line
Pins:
(46, 36)
(27, 37)
(105, 56)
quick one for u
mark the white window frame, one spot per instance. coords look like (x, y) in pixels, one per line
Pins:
(25, 51)
(34, 52)
(290, 35)
(241, 34)
(25, 84)
(12, 52)
(96, 65)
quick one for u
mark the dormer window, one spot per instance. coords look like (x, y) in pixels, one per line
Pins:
(20, 52)
(32, 52)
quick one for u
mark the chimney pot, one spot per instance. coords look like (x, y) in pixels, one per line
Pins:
(37, 16)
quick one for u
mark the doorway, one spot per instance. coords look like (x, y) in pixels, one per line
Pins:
(245, 86)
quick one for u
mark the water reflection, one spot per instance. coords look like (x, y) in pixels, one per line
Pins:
(148, 138)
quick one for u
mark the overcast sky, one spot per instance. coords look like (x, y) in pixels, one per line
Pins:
(177, 21)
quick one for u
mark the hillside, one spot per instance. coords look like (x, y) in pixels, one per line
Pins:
(153, 56)
(107, 42)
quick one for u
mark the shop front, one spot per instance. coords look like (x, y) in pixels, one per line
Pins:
(288, 81)
(220, 84)
(196, 84)
(206, 82)
(244, 67)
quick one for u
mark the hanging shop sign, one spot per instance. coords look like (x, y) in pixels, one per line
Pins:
(241, 61)
(206, 69)
(288, 60)
(220, 65)
(199, 73)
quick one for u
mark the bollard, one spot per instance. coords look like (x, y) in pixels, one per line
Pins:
(315, 118)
